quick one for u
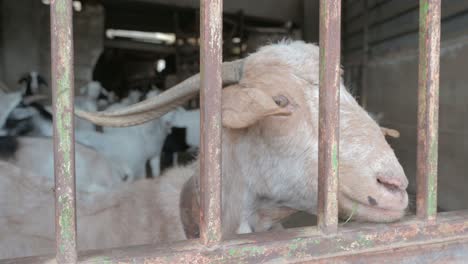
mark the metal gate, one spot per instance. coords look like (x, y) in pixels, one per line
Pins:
(424, 238)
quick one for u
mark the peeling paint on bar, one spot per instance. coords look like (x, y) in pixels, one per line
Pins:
(355, 241)
(428, 108)
(64, 159)
(210, 117)
(330, 20)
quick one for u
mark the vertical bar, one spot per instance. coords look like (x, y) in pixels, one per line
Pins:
(330, 20)
(210, 99)
(428, 108)
(365, 56)
(64, 152)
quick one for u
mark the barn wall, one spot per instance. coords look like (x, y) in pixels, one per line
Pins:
(311, 20)
(2, 67)
(268, 9)
(25, 40)
(88, 33)
(393, 79)
(20, 39)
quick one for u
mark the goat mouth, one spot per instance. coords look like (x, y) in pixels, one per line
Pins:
(357, 210)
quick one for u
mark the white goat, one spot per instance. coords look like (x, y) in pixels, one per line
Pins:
(94, 173)
(40, 116)
(128, 215)
(128, 149)
(270, 121)
(87, 100)
(131, 146)
(269, 161)
(132, 98)
(147, 139)
(190, 120)
(95, 91)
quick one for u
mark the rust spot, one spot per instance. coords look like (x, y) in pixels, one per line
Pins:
(329, 104)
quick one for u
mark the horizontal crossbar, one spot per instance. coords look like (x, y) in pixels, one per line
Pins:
(445, 239)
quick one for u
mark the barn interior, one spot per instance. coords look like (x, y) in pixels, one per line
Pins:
(148, 45)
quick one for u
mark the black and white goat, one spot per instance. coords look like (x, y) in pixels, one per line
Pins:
(32, 82)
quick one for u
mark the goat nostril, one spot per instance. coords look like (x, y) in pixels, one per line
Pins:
(372, 201)
(390, 185)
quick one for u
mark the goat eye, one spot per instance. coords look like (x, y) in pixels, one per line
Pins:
(281, 100)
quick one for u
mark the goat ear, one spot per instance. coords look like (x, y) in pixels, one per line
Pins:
(243, 107)
(390, 132)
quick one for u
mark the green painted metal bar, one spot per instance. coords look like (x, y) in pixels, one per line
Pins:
(428, 108)
(329, 104)
(410, 241)
(211, 33)
(64, 153)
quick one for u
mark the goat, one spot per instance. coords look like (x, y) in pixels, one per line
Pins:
(173, 144)
(141, 212)
(96, 93)
(35, 119)
(94, 173)
(14, 120)
(144, 133)
(33, 82)
(133, 97)
(32, 119)
(132, 146)
(269, 157)
(88, 100)
(270, 132)
(190, 120)
(128, 148)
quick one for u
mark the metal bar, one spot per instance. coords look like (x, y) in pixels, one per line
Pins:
(330, 20)
(211, 34)
(428, 109)
(134, 45)
(411, 239)
(64, 146)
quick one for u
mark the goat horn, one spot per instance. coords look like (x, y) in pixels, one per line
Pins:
(390, 132)
(155, 107)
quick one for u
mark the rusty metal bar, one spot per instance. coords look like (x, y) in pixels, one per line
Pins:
(330, 20)
(444, 241)
(211, 34)
(64, 151)
(428, 109)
